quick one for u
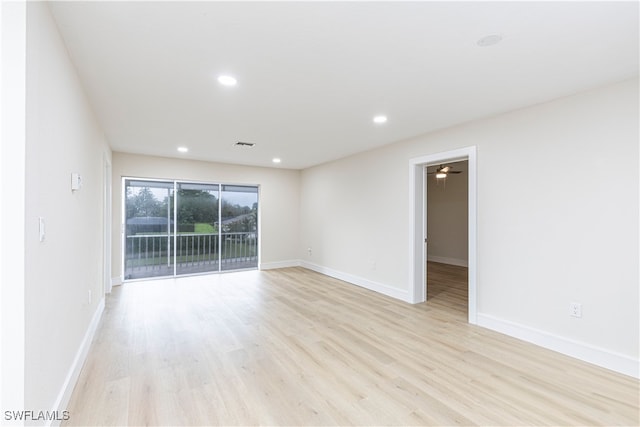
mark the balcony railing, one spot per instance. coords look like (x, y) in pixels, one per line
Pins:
(152, 255)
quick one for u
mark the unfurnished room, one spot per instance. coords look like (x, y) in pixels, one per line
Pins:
(320, 213)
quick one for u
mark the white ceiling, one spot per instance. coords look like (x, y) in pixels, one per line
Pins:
(311, 75)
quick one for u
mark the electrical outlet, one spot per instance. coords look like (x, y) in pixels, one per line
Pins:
(575, 309)
(310, 251)
(41, 228)
(89, 296)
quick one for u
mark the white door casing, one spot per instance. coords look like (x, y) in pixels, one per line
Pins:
(418, 221)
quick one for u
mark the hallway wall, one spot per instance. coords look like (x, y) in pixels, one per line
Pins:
(64, 272)
(447, 217)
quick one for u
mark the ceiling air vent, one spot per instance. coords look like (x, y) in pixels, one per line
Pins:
(244, 144)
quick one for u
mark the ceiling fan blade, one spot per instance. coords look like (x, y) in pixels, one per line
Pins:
(454, 172)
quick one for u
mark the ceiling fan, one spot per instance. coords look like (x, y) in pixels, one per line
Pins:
(443, 171)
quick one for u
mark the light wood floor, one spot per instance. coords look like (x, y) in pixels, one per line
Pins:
(292, 347)
(448, 288)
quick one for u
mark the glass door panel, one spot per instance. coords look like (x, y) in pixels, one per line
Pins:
(239, 227)
(197, 239)
(177, 228)
(148, 238)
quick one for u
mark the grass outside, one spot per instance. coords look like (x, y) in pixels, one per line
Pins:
(203, 228)
(198, 228)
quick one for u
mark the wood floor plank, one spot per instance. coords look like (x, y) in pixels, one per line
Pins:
(293, 347)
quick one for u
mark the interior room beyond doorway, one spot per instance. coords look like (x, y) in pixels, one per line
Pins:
(448, 235)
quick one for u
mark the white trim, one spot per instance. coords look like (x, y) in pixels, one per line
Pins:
(116, 281)
(13, 220)
(417, 224)
(279, 264)
(389, 291)
(107, 220)
(123, 221)
(447, 260)
(586, 352)
(81, 356)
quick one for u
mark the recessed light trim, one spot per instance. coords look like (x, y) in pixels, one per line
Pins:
(276, 160)
(490, 40)
(226, 80)
(183, 149)
(380, 119)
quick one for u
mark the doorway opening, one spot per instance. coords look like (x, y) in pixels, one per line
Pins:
(418, 173)
(447, 236)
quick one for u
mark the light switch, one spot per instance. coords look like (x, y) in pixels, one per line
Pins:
(41, 228)
(76, 182)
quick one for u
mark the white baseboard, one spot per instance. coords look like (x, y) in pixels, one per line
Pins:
(586, 352)
(81, 355)
(116, 281)
(279, 264)
(396, 293)
(446, 260)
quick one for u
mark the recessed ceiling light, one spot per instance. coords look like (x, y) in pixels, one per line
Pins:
(276, 160)
(380, 119)
(489, 40)
(183, 149)
(227, 80)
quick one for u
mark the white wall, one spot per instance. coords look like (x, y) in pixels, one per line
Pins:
(279, 199)
(63, 136)
(354, 219)
(555, 225)
(561, 228)
(447, 209)
(12, 209)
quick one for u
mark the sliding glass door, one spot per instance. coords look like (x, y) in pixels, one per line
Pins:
(149, 229)
(177, 228)
(239, 214)
(198, 240)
